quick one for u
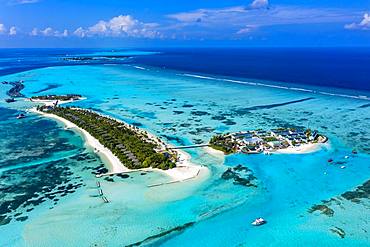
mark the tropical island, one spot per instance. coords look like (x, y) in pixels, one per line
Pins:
(123, 147)
(66, 97)
(132, 146)
(15, 91)
(91, 58)
(258, 141)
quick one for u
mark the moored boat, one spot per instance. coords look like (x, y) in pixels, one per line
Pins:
(20, 116)
(259, 221)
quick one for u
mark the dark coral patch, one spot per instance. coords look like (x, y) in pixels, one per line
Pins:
(178, 112)
(199, 113)
(123, 175)
(240, 175)
(187, 105)
(323, 209)
(219, 117)
(229, 122)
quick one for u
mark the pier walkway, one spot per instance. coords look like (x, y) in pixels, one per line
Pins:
(190, 146)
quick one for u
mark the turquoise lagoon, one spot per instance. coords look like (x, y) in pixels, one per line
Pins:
(48, 178)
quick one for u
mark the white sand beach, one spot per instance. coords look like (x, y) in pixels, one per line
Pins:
(214, 152)
(184, 169)
(302, 149)
(52, 102)
(115, 164)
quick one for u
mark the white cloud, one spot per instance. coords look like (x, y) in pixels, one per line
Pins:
(49, 32)
(257, 4)
(2, 28)
(200, 14)
(80, 32)
(23, 1)
(363, 25)
(238, 20)
(247, 29)
(13, 31)
(65, 33)
(122, 25)
(34, 32)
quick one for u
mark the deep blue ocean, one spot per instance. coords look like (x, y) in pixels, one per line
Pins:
(49, 195)
(329, 67)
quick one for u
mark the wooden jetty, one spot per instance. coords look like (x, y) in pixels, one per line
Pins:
(105, 199)
(190, 146)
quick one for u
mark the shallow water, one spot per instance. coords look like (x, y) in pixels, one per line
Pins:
(210, 211)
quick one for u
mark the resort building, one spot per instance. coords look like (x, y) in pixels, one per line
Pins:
(257, 141)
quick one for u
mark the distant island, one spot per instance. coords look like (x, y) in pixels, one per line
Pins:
(66, 97)
(258, 141)
(133, 147)
(15, 91)
(90, 58)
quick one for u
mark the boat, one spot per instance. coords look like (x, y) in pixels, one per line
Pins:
(20, 116)
(330, 160)
(354, 151)
(259, 221)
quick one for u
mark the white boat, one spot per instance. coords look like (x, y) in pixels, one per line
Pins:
(259, 221)
(20, 116)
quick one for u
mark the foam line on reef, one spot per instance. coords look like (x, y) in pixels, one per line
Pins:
(361, 97)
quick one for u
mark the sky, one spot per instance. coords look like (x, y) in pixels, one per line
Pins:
(190, 23)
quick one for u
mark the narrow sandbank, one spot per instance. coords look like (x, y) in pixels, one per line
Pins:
(303, 149)
(214, 152)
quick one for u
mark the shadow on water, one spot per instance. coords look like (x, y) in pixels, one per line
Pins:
(48, 87)
(243, 111)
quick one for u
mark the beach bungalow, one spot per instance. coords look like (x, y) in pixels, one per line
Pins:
(274, 144)
(252, 141)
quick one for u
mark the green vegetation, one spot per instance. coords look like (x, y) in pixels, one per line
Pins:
(258, 141)
(132, 146)
(222, 143)
(270, 139)
(57, 97)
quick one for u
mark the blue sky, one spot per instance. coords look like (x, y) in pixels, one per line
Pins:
(148, 23)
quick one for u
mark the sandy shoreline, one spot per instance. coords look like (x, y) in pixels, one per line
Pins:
(115, 164)
(184, 169)
(51, 102)
(303, 149)
(214, 152)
